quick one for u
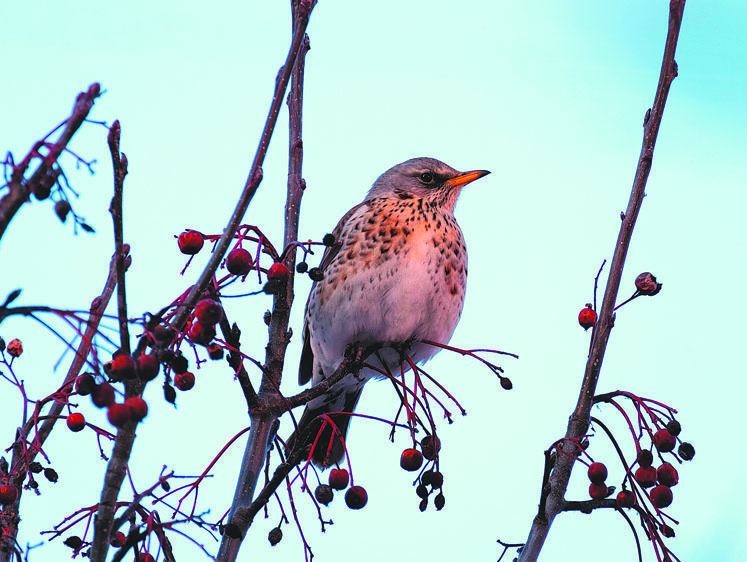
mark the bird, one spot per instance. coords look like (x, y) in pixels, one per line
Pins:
(395, 276)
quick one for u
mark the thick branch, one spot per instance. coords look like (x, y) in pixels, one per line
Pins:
(579, 421)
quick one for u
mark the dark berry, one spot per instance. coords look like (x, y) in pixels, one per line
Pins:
(422, 491)
(661, 496)
(329, 239)
(275, 536)
(674, 427)
(103, 395)
(35, 467)
(645, 458)
(597, 472)
(323, 494)
(302, 267)
(356, 497)
(316, 274)
(84, 384)
(439, 501)
(646, 284)
(215, 351)
(430, 445)
(667, 531)
(686, 451)
(73, 542)
(51, 475)
(506, 383)
(664, 441)
(423, 504)
(179, 364)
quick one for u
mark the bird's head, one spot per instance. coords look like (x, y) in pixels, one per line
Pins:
(424, 178)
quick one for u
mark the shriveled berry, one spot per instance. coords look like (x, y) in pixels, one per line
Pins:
(103, 395)
(323, 494)
(121, 367)
(118, 539)
(184, 381)
(411, 459)
(278, 271)
(597, 472)
(8, 494)
(430, 445)
(666, 474)
(664, 441)
(626, 498)
(598, 491)
(316, 274)
(356, 497)
(423, 505)
(179, 364)
(35, 467)
(646, 476)
(422, 491)
(84, 384)
(686, 451)
(302, 267)
(147, 367)
(646, 284)
(275, 536)
(239, 261)
(15, 347)
(73, 542)
(661, 496)
(674, 428)
(432, 478)
(190, 242)
(138, 408)
(587, 317)
(51, 475)
(232, 530)
(208, 311)
(76, 422)
(439, 501)
(61, 209)
(118, 415)
(339, 478)
(667, 531)
(201, 333)
(645, 457)
(506, 383)
(215, 351)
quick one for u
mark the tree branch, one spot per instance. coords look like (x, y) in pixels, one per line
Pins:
(579, 421)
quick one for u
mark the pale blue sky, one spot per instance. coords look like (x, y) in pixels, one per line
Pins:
(550, 97)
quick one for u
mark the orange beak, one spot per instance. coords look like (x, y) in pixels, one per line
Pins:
(466, 177)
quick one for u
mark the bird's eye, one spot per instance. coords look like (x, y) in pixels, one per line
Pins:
(426, 177)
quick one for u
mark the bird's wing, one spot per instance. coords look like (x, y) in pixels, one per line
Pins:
(306, 366)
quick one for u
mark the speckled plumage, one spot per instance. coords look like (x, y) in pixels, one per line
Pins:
(397, 274)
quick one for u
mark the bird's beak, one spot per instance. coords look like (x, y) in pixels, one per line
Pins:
(466, 177)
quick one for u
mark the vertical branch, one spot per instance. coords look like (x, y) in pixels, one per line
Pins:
(579, 422)
(115, 208)
(263, 419)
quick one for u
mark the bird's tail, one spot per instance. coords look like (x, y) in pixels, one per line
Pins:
(322, 431)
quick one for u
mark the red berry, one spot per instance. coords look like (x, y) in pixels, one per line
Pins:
(278, 271)
(664, 441)
(118, 414)
(626, 498)
(201, 333)
(411, 459)
(339, 478)
(8, 494)
(76, 422)
(184, 381)
(239, 261)
(597, 472)
(356, 497)
(147, 367)
(666, 474)
(215, 351)
(598, 491)
(190, 242)
(208, 311)
(15, 347)
(146, 557)
(646, 476)
(661, 496)
(118, 539)
(323, 494)
(430, 445)
(587, 317)
(138, 408)
(121, 367)
(103, 395)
